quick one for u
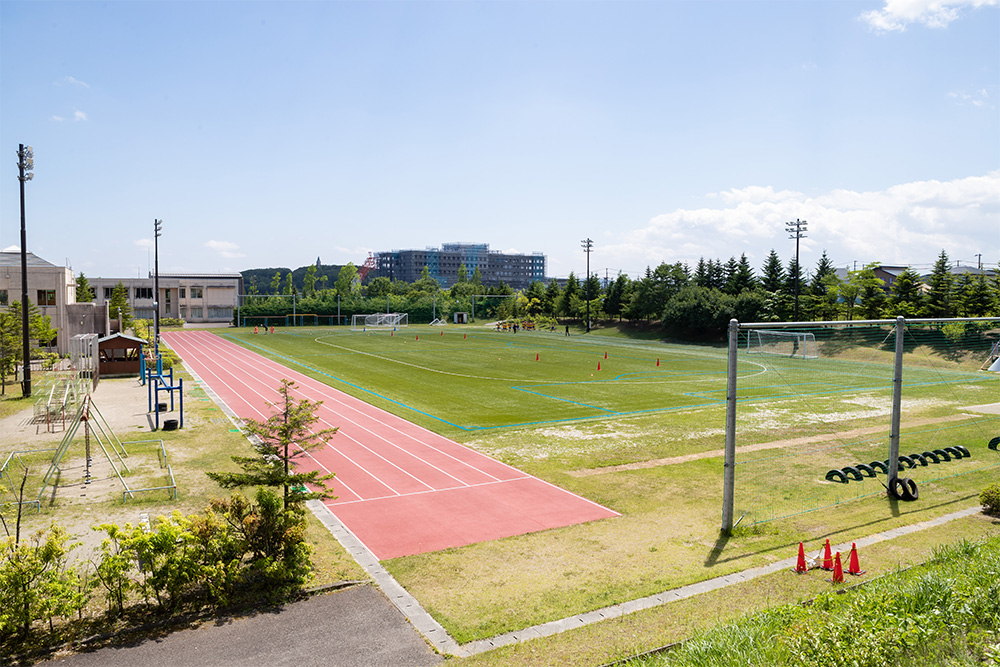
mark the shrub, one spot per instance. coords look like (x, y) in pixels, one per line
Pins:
(990, 498)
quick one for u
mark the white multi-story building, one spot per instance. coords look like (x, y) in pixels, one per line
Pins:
(197, 298)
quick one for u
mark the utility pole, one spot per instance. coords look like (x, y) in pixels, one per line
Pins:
(25, 163)
(797, 231)
(588, 247)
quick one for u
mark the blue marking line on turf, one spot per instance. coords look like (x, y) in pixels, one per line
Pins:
(350, 384)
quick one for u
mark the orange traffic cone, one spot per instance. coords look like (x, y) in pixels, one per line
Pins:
(800, 565)
(853, 566)
(838, 570)
(827, 557)
(598, 365)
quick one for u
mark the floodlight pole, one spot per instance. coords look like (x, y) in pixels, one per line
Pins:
(797, 230)
(588, 247)
(729, 469)
(157, 230)
(25, 163)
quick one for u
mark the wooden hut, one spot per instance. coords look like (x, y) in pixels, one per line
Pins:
(120, 355)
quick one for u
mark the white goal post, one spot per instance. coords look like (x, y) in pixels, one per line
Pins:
(379, 321)
(784, 343)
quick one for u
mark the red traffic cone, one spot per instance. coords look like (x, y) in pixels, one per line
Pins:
(605, 355)
(390, 334)
(536, 356)
(657, 362)
(853, 566)
(442, 333)
(418, 337)
(838, 570)
(464, 336)
(827, 557)
(800, 565)
(598, 365)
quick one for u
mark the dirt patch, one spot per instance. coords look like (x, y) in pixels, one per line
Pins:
(673, 460)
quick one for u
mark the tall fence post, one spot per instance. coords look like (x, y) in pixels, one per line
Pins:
(897, 399)
(729, 471)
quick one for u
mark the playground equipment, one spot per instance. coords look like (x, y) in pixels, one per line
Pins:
(157, 382)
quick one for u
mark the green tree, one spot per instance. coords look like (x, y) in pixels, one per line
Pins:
(378, 288)
(281, 439)
(570, 293)
(119, 304)
(347, 277)
(617, 296)
(289, 284)
(699, 311)
(939, 292)
(906, 298)
(84, 292)
(31, 570)
(309, 281)
(552, 294)
(40, 331)
(276, 283)
(871, 291)
(824, 268)
(772, 274)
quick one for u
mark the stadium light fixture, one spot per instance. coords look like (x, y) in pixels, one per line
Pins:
(25, 165)
(588, 247)
(796, 231)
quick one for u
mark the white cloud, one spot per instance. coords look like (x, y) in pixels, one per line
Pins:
(908, 224)
(57, 119)
(74, 82)
(79, 115)
(978, 98)
(897, 14)
(227, 249)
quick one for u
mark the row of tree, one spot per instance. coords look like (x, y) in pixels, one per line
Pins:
(695, 301)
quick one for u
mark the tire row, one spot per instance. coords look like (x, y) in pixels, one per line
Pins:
(860, 471)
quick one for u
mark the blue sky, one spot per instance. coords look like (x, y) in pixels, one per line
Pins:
(270, 133)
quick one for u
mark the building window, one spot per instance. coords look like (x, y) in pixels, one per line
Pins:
(195, 292)
(144, 293)
(220, 312)
(196, 313)
(3, 297)
(181, 291)
(46, 297)
(144, 313)
(108, 292)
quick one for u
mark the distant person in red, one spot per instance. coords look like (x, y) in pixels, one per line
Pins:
(272, 329)
(255, 329)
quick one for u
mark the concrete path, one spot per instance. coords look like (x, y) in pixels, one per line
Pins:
(350, 628)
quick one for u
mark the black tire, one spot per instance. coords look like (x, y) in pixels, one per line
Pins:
(908, 461)
(965, 450)
(852, 473)
(866, 469)
(955, 454)
(881, 467)
(932, 457)
(903, 488)
(945, 456)
(994, 443)
(836, 476)
(918, 458)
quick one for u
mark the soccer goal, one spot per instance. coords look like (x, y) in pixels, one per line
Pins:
(379, 321)
(799, 344)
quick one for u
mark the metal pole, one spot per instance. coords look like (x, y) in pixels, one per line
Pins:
(897, 399)
(25, 347)
(157, 226)
(587, 245)
(729, 470)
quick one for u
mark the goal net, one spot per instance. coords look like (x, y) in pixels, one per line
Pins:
(379, 321)
(799, 344)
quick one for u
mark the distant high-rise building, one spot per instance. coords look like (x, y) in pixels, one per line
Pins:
(516, 270)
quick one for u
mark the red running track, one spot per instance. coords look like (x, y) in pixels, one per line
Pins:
(401, 489)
